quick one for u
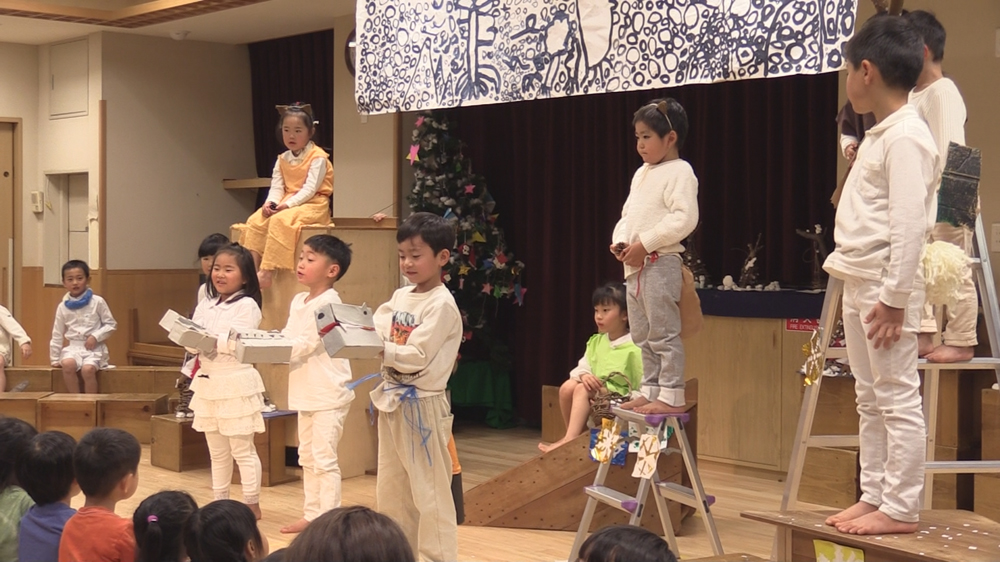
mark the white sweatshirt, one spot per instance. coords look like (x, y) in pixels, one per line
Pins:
(316, 381)
(661, 209)
(76, 326)
(888, 207)
(940, 104)
(218, 318)
(422, 333)
(10, 329)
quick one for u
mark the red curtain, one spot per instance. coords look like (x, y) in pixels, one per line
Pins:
(765, 153)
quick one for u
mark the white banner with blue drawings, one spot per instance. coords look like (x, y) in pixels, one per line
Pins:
(427, 54)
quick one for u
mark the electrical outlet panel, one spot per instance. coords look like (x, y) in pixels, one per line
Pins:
(37, 201)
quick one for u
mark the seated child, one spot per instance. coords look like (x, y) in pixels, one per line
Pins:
(15, 437)
(46, 473)
(159, 526)
(625, 543)
(353, 533)
(609, 351)
(84, 320)
(106, 462)
(224, 531)
(301, 185)
(9, 328)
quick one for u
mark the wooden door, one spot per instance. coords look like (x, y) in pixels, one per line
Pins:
(7, 214)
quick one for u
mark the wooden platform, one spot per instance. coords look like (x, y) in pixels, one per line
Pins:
(131, 412)
(943, 536)
(271, 450)
(175, 445)
(21, 405)
(75, 414)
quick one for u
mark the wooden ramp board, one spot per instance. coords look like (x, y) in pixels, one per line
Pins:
(546, 492)
(943, 536)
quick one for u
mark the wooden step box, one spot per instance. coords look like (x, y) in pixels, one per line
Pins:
(175, 445)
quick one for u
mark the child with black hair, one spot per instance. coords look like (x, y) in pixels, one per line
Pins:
(46, 473)
(206, 255)
(422, 330)
(159, 526)
(660, 212)
(85, 321)
(886, 212)
(609, 351)
(301, 185)
(11, 329)
(317, 383)
(227, 399)
(351, 534)
(15, 438)
(625, 543)
(106, 464)
(224, 531)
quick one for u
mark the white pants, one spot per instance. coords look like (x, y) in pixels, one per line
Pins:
(224, 450)
(891, 429)
(319, 436)
(960, 330)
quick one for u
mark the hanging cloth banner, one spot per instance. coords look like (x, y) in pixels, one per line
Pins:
(428, 54)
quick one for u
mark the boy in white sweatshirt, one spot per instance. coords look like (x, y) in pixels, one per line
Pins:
(940, 104)
(660, 212)
(11, 329)
(84, 320)
(317, 383)
(885, 214)
(422, 330)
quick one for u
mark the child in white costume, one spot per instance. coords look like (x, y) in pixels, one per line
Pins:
(317, 383)
(10, 329)
(227, 400)
(85, 321)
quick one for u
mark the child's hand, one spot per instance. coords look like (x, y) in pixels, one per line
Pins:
(592, 383)
(91, 343)
(851, 151)
(378, 217)
(57, 364)
(886, 324)
(26, 350)
(280, 208)
(266, 210)
(634, 255)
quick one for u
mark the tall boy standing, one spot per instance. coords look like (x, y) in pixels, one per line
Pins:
(317, 383)
(885, 214)
(422, 330)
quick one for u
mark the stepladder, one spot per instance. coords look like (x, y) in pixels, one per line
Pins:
(660, 427)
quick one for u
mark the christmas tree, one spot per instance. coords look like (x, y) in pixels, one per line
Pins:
(482, 270)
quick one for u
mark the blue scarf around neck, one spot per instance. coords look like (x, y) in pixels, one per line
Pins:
(79, 302)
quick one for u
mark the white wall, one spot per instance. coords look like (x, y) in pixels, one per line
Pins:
(179, 122)
(19, 98)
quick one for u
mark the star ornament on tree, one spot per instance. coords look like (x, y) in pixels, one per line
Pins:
(414, 154)
(487, 288)
(470, 189)
(420, 121)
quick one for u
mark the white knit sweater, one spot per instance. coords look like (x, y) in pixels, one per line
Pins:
(941, 106)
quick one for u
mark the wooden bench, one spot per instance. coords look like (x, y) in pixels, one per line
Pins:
(271, 450)
(21, 405)
(75, 414)
(39, 379)
(131, 412)
(176, 446)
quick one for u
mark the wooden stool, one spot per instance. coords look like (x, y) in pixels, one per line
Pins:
(176, 445)
(21, 405)
(271, 450)
(131, 412)
(39, 378)
(75, 414)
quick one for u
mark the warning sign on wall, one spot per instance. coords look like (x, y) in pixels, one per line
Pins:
(801, 324)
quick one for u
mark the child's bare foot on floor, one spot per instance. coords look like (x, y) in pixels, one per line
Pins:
(950, 354)
(634, 403)
(925, 344)
(255, 508)
(853, 512)
(657, 407)
(296, 527)
(876, 523)
(265, 278)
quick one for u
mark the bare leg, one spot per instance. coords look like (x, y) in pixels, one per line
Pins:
(265, 277)
(577, 419)
(89, 374)
(857, 510)
(951, 354)
(566, 398)
(69, 376)
(255, 508)
(925, 344)
(3, 376)
(876, 523)
(296, 527)
(256, 259)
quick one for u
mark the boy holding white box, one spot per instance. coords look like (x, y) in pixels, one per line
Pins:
(317, 383)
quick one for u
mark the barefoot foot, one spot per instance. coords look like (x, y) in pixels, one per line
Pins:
(853, 512)
(265, 277)
(925, 344)
(296, 527)
(545, 448)
(657, 407)
(255, 508)
(634, 403)
(950, 354)
(876, 523)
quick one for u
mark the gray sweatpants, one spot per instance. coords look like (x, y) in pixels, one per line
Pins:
(655, 323)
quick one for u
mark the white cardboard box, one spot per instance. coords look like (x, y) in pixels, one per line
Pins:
(186, 333)
(261, 346)
(348, 331)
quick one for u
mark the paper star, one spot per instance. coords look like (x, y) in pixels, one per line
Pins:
(463, 269)
(501, 258)
(414, 157)
(478, 237)
(487, 288)
(420, 120)
(488, 264)
(519, 293)
(469, 189)
(496, 292)
(467, 335)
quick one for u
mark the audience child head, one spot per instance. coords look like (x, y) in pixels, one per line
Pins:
(207, 249)
(106, 463)
(611, 310)
(296, 125)
(15, 438)
(76, 277)
(661, 128)
(425, 244)
(233, 271)
(351, 534)
(323, 262)
(46, 468)
(224, 531)
(884, 60)
(159, 526)
(625, 543)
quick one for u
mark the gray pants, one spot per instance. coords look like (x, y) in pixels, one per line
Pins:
(655, 323)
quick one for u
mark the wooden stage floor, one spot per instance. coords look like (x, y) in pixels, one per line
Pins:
(484, 453)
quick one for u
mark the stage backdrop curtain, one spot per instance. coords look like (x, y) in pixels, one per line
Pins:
(283, 71)
(765, 153)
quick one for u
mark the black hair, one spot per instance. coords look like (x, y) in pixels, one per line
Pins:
(893, 46)
(355, 534)
(338, 251)
(220, 531)
(46, 468)
(211, 244)
(930, 29)
(103, 457)
(297, 109)
(611, 293)
(76, 264)
(436, 231)
(625, 543)
(251, 285)
(15, 436)
(663, 115)
(159, 523)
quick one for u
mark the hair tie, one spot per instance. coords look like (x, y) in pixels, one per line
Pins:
(152, 519)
